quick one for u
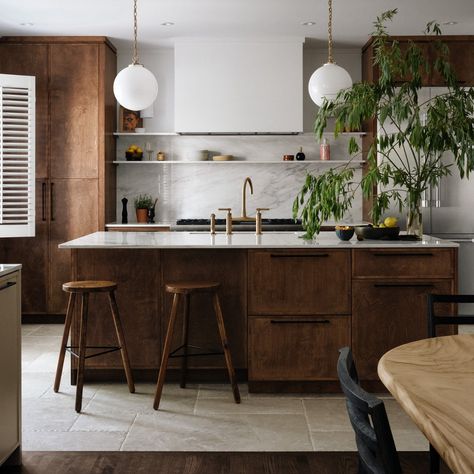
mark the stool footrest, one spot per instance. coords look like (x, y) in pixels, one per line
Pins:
(108, 349)
(209, 352)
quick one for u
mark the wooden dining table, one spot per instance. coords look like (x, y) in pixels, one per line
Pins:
(433, 381)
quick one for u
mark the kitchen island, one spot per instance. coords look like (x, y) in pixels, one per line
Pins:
(288, 304)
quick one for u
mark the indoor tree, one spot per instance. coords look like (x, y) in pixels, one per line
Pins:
(406, 156)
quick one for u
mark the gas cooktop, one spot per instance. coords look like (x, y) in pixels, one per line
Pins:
(238, 222)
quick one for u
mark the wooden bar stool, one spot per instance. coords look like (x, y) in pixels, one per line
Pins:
(187, 289)
(83, 288)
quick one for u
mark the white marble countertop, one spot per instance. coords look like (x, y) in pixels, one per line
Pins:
(6, 268)
(246, 240)
(137, 224)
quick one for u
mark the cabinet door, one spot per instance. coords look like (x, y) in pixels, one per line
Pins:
(32, 60)
(33, 254)
(137, 274)
(299, 282)
(75, 124)
(229, 268)
(73, 213)
(296, 348)
(461, 57)
(10, 375)
(386, 314)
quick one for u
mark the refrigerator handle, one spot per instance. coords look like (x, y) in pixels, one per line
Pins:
(437, 195)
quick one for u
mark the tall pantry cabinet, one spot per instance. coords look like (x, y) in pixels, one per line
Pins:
(75, 148)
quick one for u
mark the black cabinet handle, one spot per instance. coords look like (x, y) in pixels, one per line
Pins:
(7, 285)
(402, 254)
(300, 321)
(403, 285)
(43, 202)
(298, 255)
(51, 201)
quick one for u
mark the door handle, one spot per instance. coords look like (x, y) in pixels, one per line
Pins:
(8, 284)
(51, 201)
(402, 254)
(43, 202)
(296, 255)
(403, 285)
(300, 321)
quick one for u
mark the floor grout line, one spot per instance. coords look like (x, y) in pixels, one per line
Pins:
(307, 424)
(127, 433)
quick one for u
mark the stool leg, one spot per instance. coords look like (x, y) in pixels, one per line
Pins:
(82, 350)
(434, 461)
(166, 353)
(62, 350)
(225, 346)
(121, 340)
(184, 361)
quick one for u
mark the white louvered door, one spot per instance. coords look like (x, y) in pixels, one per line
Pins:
(17, 156)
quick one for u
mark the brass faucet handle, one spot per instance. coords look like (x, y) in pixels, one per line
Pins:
(225, 209)
(228, 219)
(258, 224)
(259, 209)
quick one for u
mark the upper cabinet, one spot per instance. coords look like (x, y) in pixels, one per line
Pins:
(236, 86)
(461, 50)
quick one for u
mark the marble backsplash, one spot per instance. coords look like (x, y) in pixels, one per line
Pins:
(195, 190)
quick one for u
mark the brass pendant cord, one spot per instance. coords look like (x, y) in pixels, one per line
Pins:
(330, 58)
(135, 58)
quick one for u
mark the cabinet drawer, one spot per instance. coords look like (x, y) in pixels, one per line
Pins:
(299, 282)
(403, 263)
(304, 348)
(387, 314)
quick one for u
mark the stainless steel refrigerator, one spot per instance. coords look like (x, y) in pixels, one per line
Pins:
(449, 214)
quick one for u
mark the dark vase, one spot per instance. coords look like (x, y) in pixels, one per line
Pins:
(124, 211)
(300, 156)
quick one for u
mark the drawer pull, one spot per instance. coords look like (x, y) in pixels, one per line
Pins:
(403, 285)
(7, 285)
(403, 254)
(300, 321)
(296, 255)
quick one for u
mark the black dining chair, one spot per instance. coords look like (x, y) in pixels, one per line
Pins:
(435, 320)
(377, 452)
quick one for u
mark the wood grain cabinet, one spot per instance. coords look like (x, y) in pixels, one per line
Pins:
(296, 348)
(74, 153)
(389, 289)
(299, 282)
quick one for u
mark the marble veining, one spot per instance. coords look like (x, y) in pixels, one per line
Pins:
(204, 240)
(196, 190)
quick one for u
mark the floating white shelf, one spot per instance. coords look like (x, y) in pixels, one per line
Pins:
(237, 162)
(175, 134)
(159, 134)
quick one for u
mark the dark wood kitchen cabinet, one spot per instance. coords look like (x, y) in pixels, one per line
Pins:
(299, 314)
(461, 57)
(75, 148)
(299, 282)
(389, 289)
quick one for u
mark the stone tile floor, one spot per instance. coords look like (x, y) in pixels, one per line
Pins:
(199, 418)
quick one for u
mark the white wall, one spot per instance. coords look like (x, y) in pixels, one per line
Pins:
(161, 63)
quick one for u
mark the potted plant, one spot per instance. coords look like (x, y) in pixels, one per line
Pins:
(406, 157)
(142, 203)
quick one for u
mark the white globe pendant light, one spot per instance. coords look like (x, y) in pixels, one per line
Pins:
(135, 87)
(329, 79)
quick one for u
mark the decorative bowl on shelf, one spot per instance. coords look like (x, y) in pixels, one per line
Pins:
(376, 233)
(222, 158)
(344, 232)
(133, 156)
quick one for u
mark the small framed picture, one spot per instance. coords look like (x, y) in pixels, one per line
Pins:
(129, 120)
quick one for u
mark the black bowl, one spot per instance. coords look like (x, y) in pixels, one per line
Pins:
(376, 233)
(345, 234)
(131, 156)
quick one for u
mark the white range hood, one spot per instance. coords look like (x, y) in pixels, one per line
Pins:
(235, 86)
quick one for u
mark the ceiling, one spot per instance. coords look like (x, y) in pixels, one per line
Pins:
(228, 18)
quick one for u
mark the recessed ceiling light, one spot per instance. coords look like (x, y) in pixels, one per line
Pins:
(308, 23)
(28, 23)
(450, 23)
(167, 23)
